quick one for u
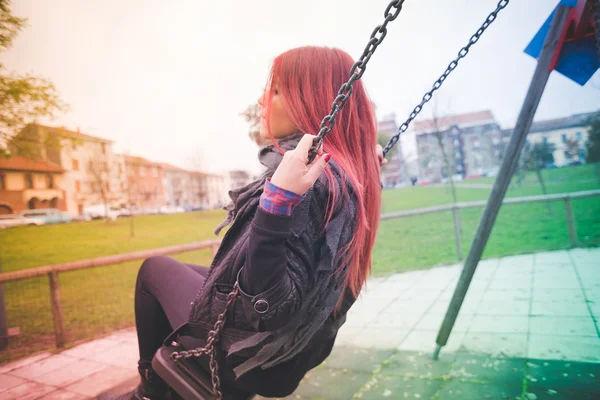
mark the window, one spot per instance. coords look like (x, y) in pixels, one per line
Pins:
(564, 137)
(75, 165)
(545, 139)
(2, 182)
(578, 136)
(28, 181)
(77, 186)
(49, 181)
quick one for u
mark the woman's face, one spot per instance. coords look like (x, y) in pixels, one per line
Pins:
(279, 121)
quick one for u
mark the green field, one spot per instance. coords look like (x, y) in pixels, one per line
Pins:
(100, 300)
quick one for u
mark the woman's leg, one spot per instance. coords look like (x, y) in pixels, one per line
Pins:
(200, 269)
(163, 293)
(164, 290)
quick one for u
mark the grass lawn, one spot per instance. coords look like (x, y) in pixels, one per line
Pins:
(101, 300)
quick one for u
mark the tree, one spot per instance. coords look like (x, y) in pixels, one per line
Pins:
(572, 151)
(23, 98)
(382, 140)
(536, 157)
(437, 132)
(593, 142)
(252, 116)
(100, 173)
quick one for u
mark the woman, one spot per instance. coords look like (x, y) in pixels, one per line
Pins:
(299, 246)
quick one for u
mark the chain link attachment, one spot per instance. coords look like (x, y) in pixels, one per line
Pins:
(438, 83)
(356, 72)
(211, 341)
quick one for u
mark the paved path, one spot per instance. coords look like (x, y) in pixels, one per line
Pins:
(528, 329)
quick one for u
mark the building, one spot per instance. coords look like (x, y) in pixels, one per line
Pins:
(92, 172)
(209, 190)
(239, 178)
(146, 183)
(472, 143)
(177, 186)
(27, 184)
(394, 173)
(562, 132)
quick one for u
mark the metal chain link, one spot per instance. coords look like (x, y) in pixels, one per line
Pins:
(210, 348)
(438, 83)
(358, 69)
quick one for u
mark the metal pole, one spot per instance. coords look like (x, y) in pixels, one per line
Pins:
(509, 163)
(456, 218)
(571, 222)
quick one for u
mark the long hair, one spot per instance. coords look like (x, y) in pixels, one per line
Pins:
(308, 79)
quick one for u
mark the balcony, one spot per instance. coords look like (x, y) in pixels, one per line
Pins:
(42, 194)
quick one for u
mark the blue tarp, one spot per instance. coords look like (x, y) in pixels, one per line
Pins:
(578, 60)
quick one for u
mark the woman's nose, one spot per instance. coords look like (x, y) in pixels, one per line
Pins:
(260, 100)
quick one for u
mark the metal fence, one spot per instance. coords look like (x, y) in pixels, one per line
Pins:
(47, 318)
(28, 285)
(455, 208)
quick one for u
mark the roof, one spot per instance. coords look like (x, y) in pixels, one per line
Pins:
(140, 160)
(169, 167)
(72, 134)
(18, 163)
(572, 121)
(548, 125)
(479, 117)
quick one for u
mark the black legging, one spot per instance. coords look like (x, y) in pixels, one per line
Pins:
(163, 293)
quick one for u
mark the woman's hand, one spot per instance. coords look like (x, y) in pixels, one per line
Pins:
(293, 174)
(382, 159)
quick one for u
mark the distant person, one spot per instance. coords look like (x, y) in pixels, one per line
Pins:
(299, 245)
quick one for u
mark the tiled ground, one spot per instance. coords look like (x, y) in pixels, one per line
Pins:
(528, 329)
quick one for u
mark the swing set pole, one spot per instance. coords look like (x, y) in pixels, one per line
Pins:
(507, 169)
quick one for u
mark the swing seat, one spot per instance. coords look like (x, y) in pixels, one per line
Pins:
(188, 378)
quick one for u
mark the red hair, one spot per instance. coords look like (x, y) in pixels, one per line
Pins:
(308, 79)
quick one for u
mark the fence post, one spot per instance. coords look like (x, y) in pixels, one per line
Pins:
(3, 326)
(571, 222)
(57, 313)
(456, 218)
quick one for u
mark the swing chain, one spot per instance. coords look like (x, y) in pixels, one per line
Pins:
(358, 69)
(210, 348)
(438, 83)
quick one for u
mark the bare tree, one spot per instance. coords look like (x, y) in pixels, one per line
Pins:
(100, 173)
(252, 115)
(439, 134)
(572, 148)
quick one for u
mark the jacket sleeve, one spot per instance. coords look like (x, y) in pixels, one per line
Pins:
(271, 291)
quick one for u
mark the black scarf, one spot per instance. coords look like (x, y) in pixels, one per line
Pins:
(268, 156)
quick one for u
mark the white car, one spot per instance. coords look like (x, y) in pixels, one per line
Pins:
(14, 220)
(99, 211)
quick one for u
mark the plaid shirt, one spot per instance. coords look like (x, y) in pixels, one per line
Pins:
(278, 201)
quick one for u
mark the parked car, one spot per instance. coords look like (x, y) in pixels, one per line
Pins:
(171, 210)
(49, 215)
(14, 220)
(98, 211)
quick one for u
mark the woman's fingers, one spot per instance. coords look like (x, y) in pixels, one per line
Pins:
(317, 167)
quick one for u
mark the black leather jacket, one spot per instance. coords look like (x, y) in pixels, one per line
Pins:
(284, 322)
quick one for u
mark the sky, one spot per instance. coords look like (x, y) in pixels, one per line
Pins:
(167, 80)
